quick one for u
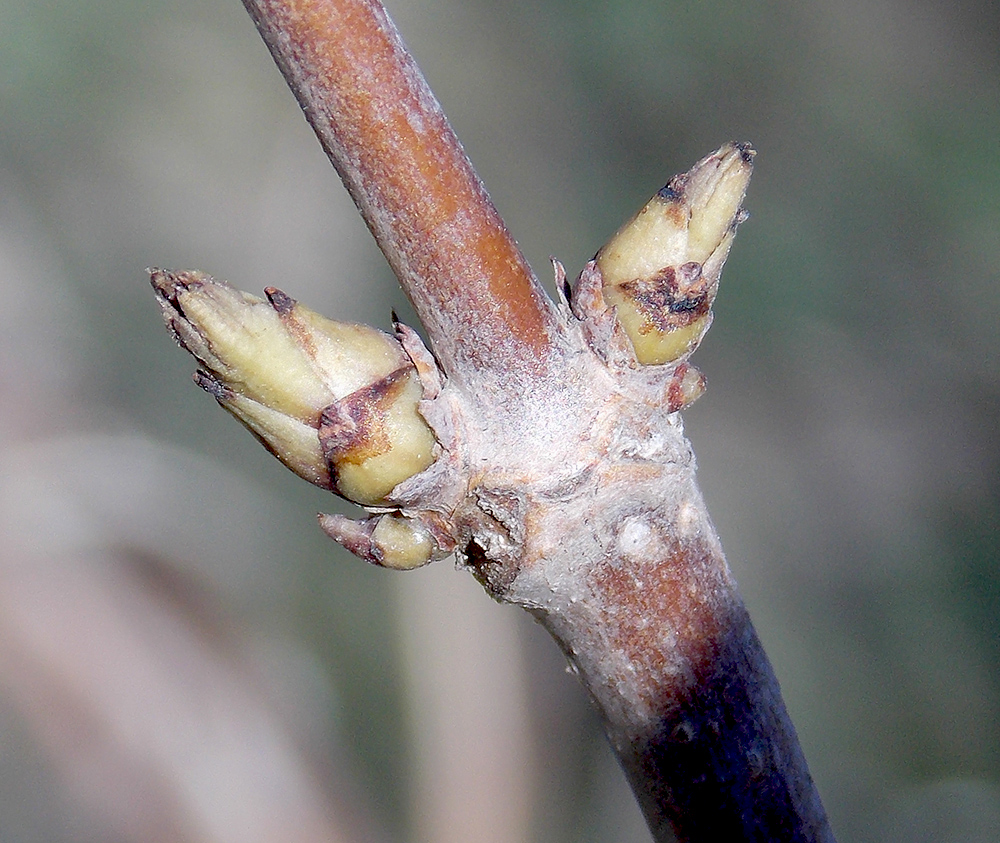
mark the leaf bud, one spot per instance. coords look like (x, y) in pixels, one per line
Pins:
(661, 270)
(336, 402)
(391, 541)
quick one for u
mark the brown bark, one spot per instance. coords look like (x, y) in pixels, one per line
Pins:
(565, 484)
(386, 134)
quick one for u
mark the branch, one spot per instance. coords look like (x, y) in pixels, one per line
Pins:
(543, 447)
(386, 135)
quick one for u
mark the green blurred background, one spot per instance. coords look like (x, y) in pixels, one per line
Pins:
(847, 445)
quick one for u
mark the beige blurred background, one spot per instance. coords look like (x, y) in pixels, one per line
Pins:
(184, 657)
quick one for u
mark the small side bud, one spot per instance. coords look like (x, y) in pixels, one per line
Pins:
(403, 542)
(661, 270)
(391, 541)
(686, 386)
(336, 402)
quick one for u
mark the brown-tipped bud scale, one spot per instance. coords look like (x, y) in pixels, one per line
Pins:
(661, 270)
(336, 402)
(376, 438)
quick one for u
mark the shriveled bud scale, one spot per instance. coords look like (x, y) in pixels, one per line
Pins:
(336, 402)
(661, 270)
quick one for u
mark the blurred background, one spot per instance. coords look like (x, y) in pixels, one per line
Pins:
(184, 656)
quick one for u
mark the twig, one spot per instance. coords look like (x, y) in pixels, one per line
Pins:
(385, 133)
(564, 481)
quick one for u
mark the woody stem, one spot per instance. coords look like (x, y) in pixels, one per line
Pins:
(388, 138)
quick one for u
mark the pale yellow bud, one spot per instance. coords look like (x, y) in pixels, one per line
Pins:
(661, 270)
(403, 542)
(293, 442)
(336, 402)
(715, 192)
(347, 356)
(654, 238)
(392, 541)
(242, 340)
(658, 334)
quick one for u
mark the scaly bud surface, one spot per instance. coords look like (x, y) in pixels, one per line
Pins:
(661, 270)
(336, 402)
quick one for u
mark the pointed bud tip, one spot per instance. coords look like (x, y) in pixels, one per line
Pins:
(281, 302)
(746, 151)
(689, 223)
(212, 385)
(731, 154)
(164, 287)
(169, 284)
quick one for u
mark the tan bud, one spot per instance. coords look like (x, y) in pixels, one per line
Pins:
(293, 442)
(336, 402)
(661, 269)
(392, 541)
(403, 542)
